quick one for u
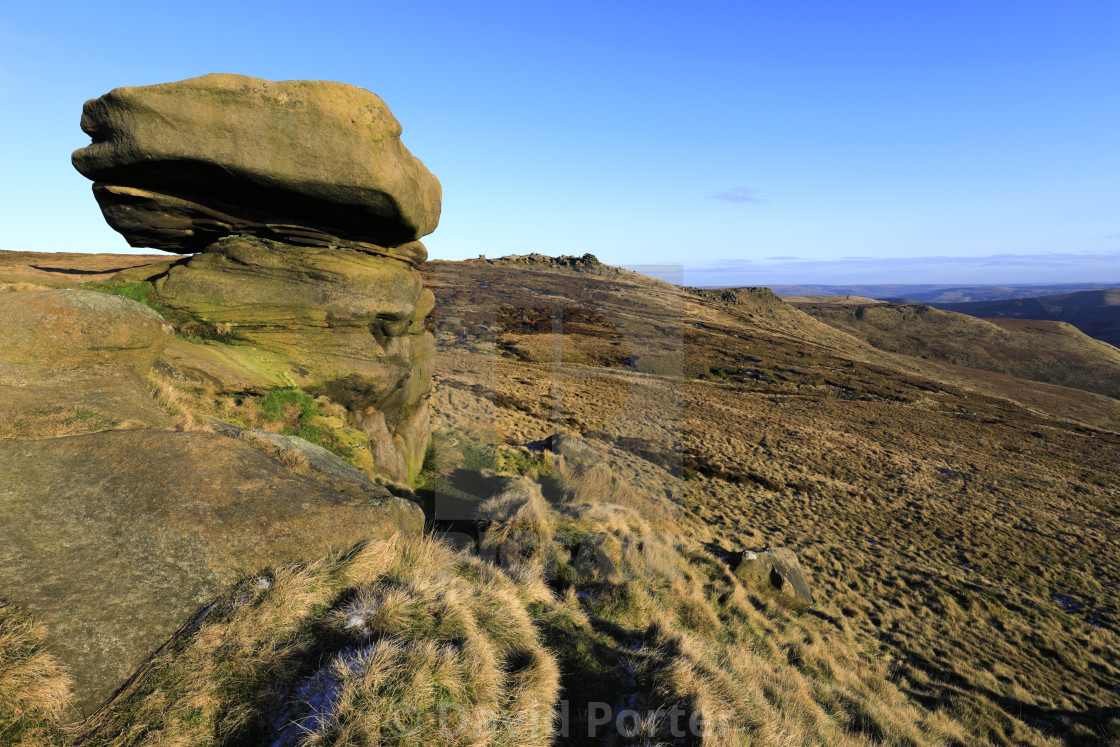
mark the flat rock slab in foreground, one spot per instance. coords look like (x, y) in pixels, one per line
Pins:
(115, 539)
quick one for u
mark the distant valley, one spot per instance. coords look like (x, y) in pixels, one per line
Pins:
(1094, 312)
(939, 294)
(1092, 309)
(1054, 352)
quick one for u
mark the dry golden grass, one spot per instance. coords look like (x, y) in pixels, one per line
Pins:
(293, 460)
(961, 547)
(392, 643)
(181, 404)
(54, 422)
(966, 541)
(648, 621)
(34, 685)
(520, 524)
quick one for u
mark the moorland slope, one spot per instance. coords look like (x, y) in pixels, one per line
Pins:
(1054, 352)
(1094, 312)
(964, 538)
(958, 529)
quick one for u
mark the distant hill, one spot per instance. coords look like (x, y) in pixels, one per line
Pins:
(1054, 352)
(939, 294)
(1094, 312)
(843, 300)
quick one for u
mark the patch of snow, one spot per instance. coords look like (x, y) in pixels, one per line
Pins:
(310, 705)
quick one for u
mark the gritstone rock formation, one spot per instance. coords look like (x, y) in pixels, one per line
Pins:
(303, 211)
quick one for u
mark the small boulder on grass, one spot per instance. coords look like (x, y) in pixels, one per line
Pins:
(776, 569)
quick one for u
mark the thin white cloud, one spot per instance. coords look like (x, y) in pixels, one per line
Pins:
(740, 195)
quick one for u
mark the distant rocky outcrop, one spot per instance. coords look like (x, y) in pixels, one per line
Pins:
(302, 208)
(736, 296)
(588, 263)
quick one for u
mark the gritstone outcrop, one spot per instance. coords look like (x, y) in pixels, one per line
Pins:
(303, 211)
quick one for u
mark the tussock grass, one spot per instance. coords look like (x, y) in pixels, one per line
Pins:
(593, 482)
(520, 524)
(441, 456)
(647, 621)
(183, 405)
(394, 642)
(34, 685)
(292, 459)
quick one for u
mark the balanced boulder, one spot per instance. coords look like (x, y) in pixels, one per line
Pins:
(180, 164)
(302, 209)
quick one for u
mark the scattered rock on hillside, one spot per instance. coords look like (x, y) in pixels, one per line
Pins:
(570, 447)
(777, 569)
(181, 164)
(123, 535)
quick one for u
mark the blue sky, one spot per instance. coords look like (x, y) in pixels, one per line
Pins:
(751, 142)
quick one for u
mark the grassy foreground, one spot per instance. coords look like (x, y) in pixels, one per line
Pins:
(580, 620)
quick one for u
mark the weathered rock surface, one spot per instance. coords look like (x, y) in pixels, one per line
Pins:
(319, 464)
(342, 322)
(114, 539)
(777, 569)
(79, 401)
(225, 368)
(45, 332)
(181, 164)
(71, 361)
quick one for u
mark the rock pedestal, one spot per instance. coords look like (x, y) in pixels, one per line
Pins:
(302, 209)
(339, 321)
